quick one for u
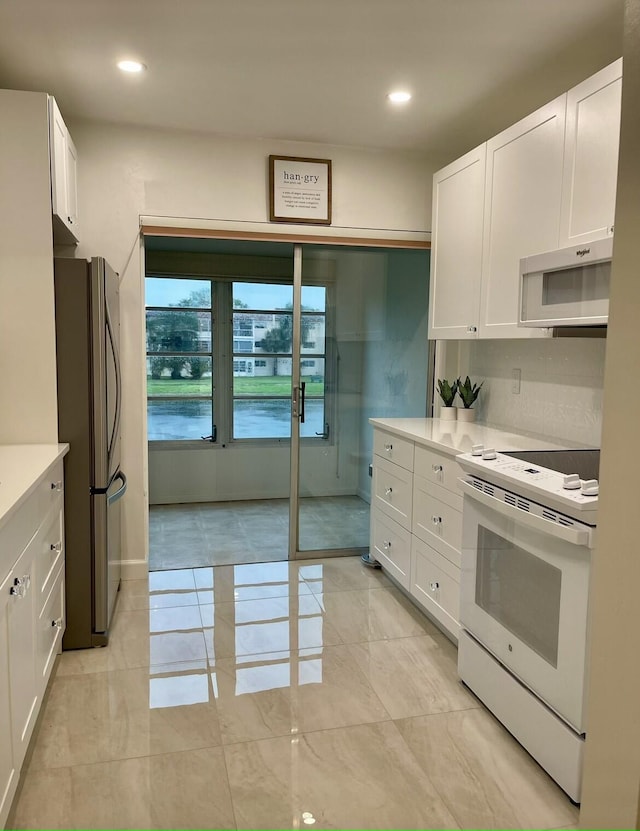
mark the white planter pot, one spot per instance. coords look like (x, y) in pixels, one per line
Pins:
(448, 413)
(465, 414)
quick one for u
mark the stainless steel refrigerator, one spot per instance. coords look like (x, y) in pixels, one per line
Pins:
(89, 407)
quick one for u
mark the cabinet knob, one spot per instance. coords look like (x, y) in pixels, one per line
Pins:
(70, 220)
(389, 491)
(56, 546)
(388, 448)
(471, 330)
(56, 486)
(434, 586)
(386, 545)
(436, 468)
(20, 586)
(57, 623)
(436, 520)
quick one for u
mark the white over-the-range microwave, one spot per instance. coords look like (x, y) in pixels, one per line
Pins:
(567, 287)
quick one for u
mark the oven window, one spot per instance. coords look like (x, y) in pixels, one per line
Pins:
(520, 591)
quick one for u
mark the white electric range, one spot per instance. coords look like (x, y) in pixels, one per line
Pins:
(528, 531)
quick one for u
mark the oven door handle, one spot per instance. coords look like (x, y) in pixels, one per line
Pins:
(575, 536)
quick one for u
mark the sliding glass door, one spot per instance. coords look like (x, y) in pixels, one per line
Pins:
(359, 351)
(264, 363)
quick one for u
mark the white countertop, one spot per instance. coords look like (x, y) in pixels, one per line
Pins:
(21, 467)
(453, 437)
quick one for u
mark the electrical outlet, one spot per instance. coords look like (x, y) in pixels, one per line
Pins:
(515, 381)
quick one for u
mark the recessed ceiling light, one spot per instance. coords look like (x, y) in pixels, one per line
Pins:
(131, 66)
(399, 97)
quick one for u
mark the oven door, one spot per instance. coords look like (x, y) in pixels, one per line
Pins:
(524, 596)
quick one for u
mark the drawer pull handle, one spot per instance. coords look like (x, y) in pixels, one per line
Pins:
(17, 590)
(57, 486)
(437, 520)
(434, 586)
(436, 468)
(389, 491)
(20, 586)
(56, 546)
(388, 448)
(386, 545)
(57, 623)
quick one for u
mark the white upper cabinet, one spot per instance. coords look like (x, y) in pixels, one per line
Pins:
(456, 247)
(549, 182)
(64, 162)
(522, 212)
(591, 157)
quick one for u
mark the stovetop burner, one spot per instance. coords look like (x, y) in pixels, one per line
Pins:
(586, 463)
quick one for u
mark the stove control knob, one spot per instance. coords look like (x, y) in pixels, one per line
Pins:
(571, 482)
(590, 487)
(476, 449)
(489, 454)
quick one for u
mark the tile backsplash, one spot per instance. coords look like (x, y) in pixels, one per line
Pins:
(561, 383)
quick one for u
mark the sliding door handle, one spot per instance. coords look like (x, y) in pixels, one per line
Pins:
(302, 386)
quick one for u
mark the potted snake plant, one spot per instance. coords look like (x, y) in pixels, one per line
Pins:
(448, 392)
(468, 392)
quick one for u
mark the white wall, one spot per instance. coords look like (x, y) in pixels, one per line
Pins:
(612, 753)
(28, 403)
(560, 387)
(126, 172)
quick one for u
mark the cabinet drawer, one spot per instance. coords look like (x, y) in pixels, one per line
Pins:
(436, 522)
(17, 533)
(391, 544)
(49, 492)
(50, 553)
(20, 529)
(392, 486)
(394, 449)
(437, 468)
(50, 628)
(435, 583)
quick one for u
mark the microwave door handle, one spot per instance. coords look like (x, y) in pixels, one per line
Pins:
(575, 536)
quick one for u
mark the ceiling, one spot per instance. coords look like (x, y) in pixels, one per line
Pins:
(309, 71)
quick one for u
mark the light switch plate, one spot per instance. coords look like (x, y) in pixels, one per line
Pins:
(515, 382)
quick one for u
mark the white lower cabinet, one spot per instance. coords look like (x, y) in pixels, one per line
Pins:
(31, 620)
(416, 525)
(391, 545)
(8, 775)
(435, 582)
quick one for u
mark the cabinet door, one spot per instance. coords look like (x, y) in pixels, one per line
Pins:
(522, 212)
(8, 770)
(456, 247)
(63, 177)
(591, 146)
(72, 185)
(21, 636)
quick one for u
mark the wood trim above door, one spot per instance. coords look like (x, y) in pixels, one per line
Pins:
(416, 240)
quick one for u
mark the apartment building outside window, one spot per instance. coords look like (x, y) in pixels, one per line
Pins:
(219, 358)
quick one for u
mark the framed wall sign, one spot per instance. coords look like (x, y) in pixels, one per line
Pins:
(299, 190)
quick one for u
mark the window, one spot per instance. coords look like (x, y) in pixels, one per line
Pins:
(179, 358)
(244, 398)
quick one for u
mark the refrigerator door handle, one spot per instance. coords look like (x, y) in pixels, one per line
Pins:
(121, 490)
(116, 364)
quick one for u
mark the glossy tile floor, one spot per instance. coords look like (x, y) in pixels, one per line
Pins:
(255, 531)
(275, 696)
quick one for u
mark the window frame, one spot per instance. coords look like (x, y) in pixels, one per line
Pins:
(223, 355)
